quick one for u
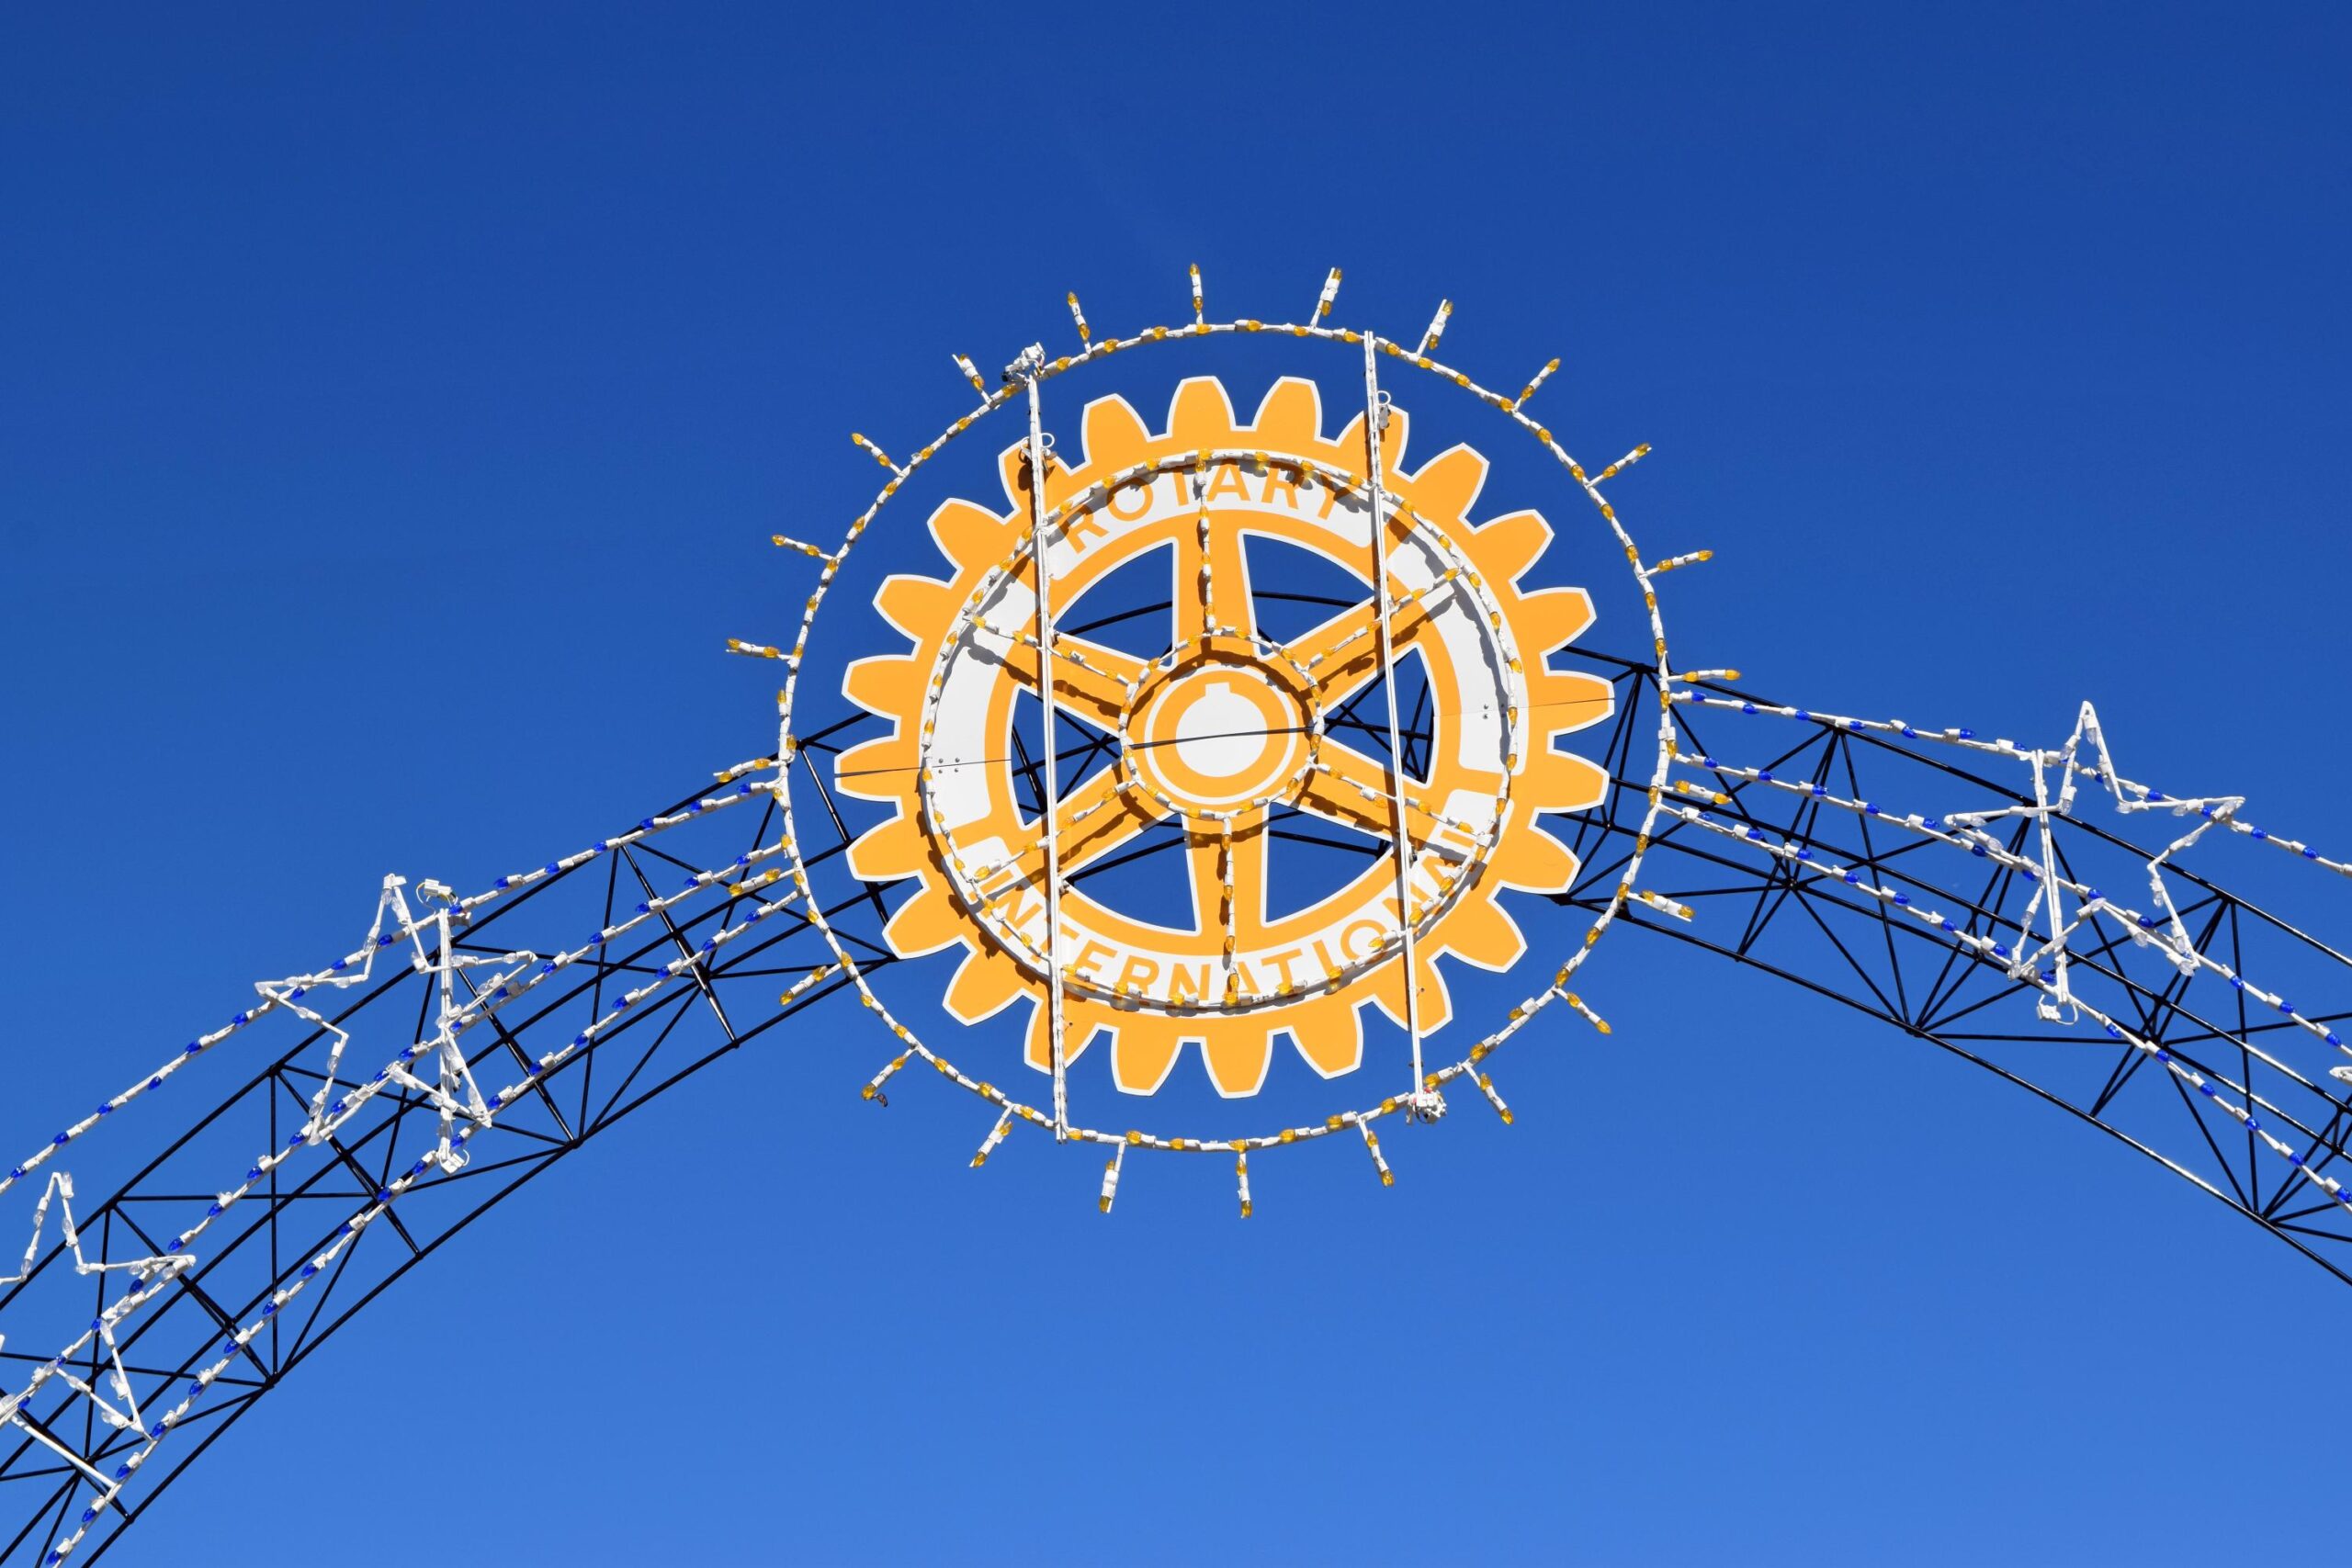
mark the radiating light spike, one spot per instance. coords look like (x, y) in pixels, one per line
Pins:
(1080, 317)
(786, 542)
(1672, 562)
(1621, 464)
(971, 374)
(996, 1136)
(1663, 905)
(1242, 1175)
(1590, 1016)
(1110, 1178)
(879, 455)
(1540, 377)
(752, 649)
(1198, 318)
(729, 775)
(1437, 327)
(1330, 292)
(1380, 1162)
(1486, 1087)
(873, 1090)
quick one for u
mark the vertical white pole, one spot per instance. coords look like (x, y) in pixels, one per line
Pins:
(1032, 362)
(1372, 420)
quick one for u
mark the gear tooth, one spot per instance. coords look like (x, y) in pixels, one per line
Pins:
(1391, 444)
(1508, 546)
(886, 684)
(985, 985)
(1447, 486)
(1481, 932)
(919, 606)
(888, 851)
(1561, 781)
(878, 769)
(1558, 616)
(1199, 414)
(1290, 415)
(1569, 700)
(1115, 434)
(1142, 1052)
(1329, 1036)
(1237, 1053)
(971, 535)
(924, 923)
(1532, 859)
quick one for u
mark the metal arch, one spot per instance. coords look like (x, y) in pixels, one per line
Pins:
(49, 1511)
(1749, 899)
(1745, 906)
(2243, 1102)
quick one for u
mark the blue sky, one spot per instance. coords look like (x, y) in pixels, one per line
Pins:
(397, 402)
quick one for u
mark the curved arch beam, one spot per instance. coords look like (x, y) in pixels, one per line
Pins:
(575, 993)
(1901, 874)
(1812, 849)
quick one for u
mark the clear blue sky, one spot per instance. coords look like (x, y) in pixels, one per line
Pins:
(394, 402)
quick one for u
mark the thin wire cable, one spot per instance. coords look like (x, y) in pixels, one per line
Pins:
(1376, 493)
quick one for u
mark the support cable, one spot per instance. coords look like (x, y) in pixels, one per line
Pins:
(1375, 420)
(1031, 362)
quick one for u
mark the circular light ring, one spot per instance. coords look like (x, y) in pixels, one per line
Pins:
(1518, 1017)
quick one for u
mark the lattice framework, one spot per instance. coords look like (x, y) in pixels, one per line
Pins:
(1949, 885)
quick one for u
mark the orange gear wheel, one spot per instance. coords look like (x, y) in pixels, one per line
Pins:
(1219, 734)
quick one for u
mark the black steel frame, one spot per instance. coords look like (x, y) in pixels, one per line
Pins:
(1751, 907)
(693, 1023)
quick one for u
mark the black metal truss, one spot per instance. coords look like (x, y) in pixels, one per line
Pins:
(697, 1019)
(1788, 919)
(1759, 908)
